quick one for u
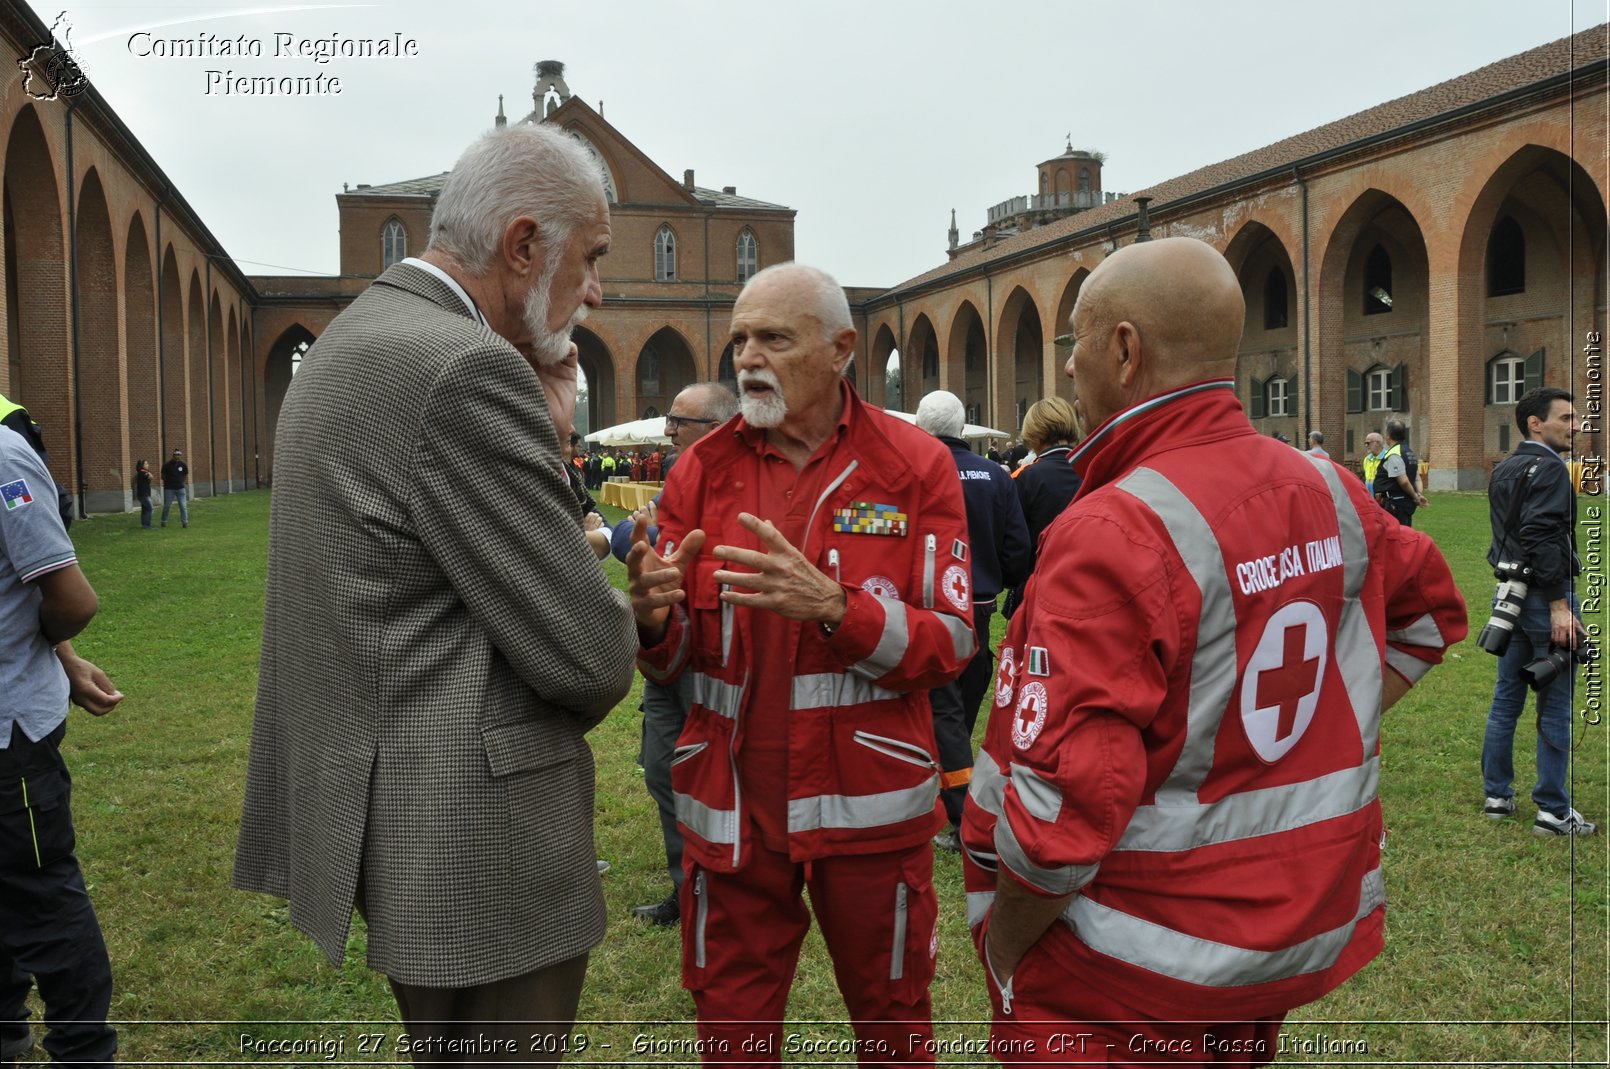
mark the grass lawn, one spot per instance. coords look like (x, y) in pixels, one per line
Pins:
(1496, 946)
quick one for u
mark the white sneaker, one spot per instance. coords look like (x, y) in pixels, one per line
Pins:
(1498, 808)
(1572, 823)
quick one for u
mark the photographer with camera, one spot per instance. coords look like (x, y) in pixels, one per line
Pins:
(1535, 630)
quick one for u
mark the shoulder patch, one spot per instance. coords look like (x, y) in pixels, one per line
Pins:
(15, 494)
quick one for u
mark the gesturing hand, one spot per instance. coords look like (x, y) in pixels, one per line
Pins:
(783, 581)
(656, 582)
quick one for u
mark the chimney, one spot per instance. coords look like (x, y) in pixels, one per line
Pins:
(731, 191)
(687, 178)
(1144, 229)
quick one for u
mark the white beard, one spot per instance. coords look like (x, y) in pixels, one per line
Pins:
(767, 411)
(548, 347)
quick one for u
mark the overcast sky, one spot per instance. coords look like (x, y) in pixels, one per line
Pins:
(872, 119)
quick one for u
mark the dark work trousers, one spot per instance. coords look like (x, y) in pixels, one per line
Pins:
(524, 1020)
(955, 707)
(664, 713)
(48, 929)
(1402, 509)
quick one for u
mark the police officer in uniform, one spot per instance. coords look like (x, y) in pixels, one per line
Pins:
(1397, 479)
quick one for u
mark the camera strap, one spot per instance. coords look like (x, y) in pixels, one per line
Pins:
(1516, 498)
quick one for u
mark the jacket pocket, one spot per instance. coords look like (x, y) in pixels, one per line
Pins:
(896, 748)
(526, 746)
(682, 753)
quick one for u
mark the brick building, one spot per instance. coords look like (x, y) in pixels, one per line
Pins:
(1431, 256)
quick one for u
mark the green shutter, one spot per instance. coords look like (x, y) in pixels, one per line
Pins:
(1396, 400)
(1355, 391)
(1534, 371)
(1258, 403)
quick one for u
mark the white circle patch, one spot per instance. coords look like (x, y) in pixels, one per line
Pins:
(882, 586)
(1030, 718)
(1280, 689)
(1005, 677)
(958, 587)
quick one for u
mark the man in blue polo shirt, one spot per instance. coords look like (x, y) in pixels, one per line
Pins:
(48, 930)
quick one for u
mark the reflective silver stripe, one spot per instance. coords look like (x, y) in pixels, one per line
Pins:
(1408, 665)
(898, 749)
(711, 825)
(988, 787)
(978, 904)
(727, 610)
(1201, 961)
(961, 636)
(929, 555)
(1423, 632)
(714, 694)
(824, 811)
(1213, 666)
(892, 643)
(1357, 656)
(897, 949)
(1041, 798)
(1062, 880)
(1249, 814)
(834, 485)
(829, 689)
(679, 655)
(701, 895)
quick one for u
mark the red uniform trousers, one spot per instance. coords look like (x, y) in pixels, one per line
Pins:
(879, 918)
(1061, 1015)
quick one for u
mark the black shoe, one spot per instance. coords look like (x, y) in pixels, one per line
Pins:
(666, 913)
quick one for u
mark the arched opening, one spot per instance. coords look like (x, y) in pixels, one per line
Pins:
(217, 415)
(1537, 234)
(1021, 341)
(108, 475)
(393, 242)
(968, 361)
(1374, 300)
(664, 255)
(171, 376)
(237, 407)
(726, 372)
(664, 366)
(1058, 382)
(196, 400)
(599, 367)
(880, 389)
(140, 334)
(38, 356)
(278, 370)
(1269, 361)
(923, 346)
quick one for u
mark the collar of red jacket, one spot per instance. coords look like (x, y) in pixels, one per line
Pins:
(1199, 412)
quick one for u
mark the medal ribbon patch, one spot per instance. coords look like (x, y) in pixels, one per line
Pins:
(864, 517)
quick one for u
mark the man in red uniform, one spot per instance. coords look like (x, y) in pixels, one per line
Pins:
(1175, 814)
(836, 594)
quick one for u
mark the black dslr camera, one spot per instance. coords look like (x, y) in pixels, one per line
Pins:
(1547, 668)
(1512, 587)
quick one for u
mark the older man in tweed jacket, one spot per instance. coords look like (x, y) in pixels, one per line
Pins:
(438, 638)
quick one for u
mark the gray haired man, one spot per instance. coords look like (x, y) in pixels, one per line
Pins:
(437, 637)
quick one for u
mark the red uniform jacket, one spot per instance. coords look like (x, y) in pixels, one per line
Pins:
(891, 527)
(1186, 726)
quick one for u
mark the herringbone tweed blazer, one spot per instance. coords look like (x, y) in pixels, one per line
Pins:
(437, 639)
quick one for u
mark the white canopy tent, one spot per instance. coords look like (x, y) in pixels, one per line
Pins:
(637, 432)
(969, 430)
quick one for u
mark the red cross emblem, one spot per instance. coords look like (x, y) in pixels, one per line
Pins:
(1280, 689)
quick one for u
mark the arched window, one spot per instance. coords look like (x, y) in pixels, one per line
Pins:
(664, 255)
(1278, 392)
(1377, 282)
(1509, 376)
(1506, 259)
(748, 255)
(1084, 180)
(393, 243)
(1274, 300)
(1378, 389)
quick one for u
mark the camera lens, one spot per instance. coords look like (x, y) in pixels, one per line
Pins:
(1507, 602)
